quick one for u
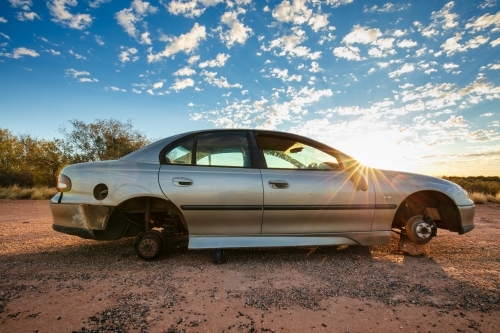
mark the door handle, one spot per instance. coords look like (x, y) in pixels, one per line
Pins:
(278, 184)
(180, 181)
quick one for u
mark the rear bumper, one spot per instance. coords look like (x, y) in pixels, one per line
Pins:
(467, 218)
(79, 220)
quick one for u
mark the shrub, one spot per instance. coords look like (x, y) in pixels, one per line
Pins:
(498, 197)
(487, 185)
(478, 197)
(15, 192)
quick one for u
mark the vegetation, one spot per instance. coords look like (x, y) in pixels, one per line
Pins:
(481, 184)
(15, 192)
(30, 164)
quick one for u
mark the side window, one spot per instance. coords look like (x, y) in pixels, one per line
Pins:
(223, 149)
(181, 153)
(284, 153)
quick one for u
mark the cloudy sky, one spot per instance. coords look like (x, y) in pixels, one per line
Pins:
(412, 86)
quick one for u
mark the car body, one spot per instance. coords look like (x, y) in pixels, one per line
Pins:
(252, 188)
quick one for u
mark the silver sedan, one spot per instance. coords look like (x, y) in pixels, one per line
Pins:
(251, 188)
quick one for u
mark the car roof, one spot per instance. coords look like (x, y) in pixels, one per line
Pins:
(150, 153)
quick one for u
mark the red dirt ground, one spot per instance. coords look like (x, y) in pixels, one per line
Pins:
(52, 282)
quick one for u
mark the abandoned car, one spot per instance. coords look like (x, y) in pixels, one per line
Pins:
(251, 188)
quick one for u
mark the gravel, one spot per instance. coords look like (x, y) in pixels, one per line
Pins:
(58, 283)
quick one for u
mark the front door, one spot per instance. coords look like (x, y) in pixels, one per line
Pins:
(309, 191)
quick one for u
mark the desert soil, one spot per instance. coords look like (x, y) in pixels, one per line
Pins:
(52, 282)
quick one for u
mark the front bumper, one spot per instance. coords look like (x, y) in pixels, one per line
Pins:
(79, 220)
(467, 218)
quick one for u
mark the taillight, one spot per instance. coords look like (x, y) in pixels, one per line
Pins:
(63, 183)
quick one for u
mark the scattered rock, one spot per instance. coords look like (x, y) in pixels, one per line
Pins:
(408, 247)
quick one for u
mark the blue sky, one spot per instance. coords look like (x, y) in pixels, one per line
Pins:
(412, 86)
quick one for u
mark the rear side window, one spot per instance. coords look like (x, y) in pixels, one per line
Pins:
(181, 153)
(223, 149)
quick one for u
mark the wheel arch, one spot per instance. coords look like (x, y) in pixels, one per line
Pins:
(128, 218)
(437, 205)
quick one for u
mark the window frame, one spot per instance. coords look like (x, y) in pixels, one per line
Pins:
(253, 149)
(312, 143)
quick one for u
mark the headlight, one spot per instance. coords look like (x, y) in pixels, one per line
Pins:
(63, 183)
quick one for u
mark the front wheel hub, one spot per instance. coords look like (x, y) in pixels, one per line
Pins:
(424, 230)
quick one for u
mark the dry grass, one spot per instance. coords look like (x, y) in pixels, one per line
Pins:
(15, 192)
(478, 197)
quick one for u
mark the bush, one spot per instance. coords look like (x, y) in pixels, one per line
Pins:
(480, 184)
(478, 197)
(497, 198)
(15, 192)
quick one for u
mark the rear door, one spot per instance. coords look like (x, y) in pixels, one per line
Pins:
(210, 177)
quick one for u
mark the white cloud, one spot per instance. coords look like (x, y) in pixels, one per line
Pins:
(182, 84)
(443, 19)
(290, 44)
(186, 43)
(452, 44)
(406, 68)
(489, 114)
(387, 8)
(484, 22)
(77, 56)
(21, 3)
(420, 52)
(221, 82)
(296, 12)
(59, 11)
(407, 43)
(362, 35)
(128, 54)
(2, 20)
(337, 3)
(127, 18)
(315, 67)
(495, 66)
(22, 51)
(98, 40)
(54, 52)
(75, 73)
(4, 36)
(186, 71)
(283, 75)
(97, 3)
(137, 91)
(348, 52)
(193, 59)
(238, 32)
(27, 16)
(449, 66)
(145, 38)
(158, 85)
(318, 22)
(219, 61)
(115, 89)
(190, 8)
(87, 80)
(487, 4)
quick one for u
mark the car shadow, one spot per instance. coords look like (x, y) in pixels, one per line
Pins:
(377, 273)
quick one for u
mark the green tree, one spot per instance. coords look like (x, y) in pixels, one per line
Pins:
(45, 158)
(104, 139)
(13, 169)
